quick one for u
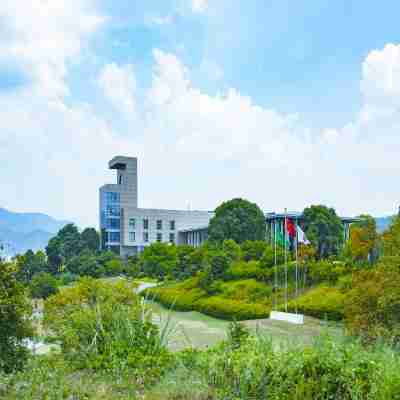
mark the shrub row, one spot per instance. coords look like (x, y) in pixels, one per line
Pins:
(322, 302)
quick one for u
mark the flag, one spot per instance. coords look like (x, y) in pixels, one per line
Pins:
(280, 239)
(301, 236)
(290, 228)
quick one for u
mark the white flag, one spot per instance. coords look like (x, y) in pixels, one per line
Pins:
(301, 236)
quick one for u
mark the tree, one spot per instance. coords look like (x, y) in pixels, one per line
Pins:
(372, 307)
(362, 245)
(30, 264)
(253, 249)
(90, 239)
(158, 260)
(15, 326)
(237, 219)
(391, 239)
(324, 229)
(43, 285)
(232, 250)
(65, 245)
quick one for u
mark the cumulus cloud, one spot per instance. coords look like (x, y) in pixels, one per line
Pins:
(199, 6)
(118, 84)
(193, 147)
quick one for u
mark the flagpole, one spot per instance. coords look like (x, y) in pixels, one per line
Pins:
(276, 273)
(297, 270)
(286, 270)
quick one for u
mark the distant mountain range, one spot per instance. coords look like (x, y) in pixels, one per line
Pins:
(20, 232)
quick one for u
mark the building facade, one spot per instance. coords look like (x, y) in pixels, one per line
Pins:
(127, 229)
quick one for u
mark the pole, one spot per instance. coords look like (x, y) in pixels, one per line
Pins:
(275, 272)
(297, 266)
(286, 269)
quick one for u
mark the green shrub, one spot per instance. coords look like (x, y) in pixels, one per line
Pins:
(321, 302)
(244, 270)
(43, 285)
(247, 290)
(253, 249)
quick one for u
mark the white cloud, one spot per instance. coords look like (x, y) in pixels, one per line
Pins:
(192, 146)
(119, 85)
(41, 36)
(199, 6)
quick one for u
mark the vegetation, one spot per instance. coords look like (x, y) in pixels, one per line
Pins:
(15, 324)
(324, 229)
(238, 220)
(43, 285)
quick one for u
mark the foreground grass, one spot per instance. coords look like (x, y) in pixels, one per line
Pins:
(329, 368)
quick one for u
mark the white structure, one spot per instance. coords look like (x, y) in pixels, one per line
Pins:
(297, 319)
(127, 229)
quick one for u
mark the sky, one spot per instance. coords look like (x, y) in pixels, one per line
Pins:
(285, 103)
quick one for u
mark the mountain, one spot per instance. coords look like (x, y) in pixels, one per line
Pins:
(22, 231)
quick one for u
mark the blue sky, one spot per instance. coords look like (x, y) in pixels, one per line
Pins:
(303, 96)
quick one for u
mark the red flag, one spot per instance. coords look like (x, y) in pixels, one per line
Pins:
(290, 228)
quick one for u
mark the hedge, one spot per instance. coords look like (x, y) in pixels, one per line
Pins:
(322, 302)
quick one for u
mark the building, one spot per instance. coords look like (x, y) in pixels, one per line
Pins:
(127, 229)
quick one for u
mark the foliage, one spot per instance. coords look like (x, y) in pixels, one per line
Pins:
(158, 260)
(321, 302)
(326, 271)
(190, 260)
(324, 229)
(237, 334)
(30, 264)
(253, 249)
(43, 285)
(363, 242)
(103, 325)
(272, 256)
(232, 250)
(15, 311)
(373, 305)
(90, 239)
(237, 219)
(391, 239)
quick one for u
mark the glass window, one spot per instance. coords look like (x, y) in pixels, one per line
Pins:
(132, 223)
(132, 236)
(112, 197)
(113, 223)
(145, 223)
(145, 237)
(172, 237)
(159, 237)
(159, 224)
(172, 225)
(113, 237)
(113, 211)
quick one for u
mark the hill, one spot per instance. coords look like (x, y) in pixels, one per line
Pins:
(22, 231)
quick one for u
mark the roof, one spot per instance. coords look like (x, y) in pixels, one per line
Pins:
(198, 228)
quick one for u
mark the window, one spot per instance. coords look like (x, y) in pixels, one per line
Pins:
(172, 237)
(172, 225)
(145, 223)
(132, 223)
(112, 197)
(113, 237)
(113, 211)
(145, 237)
(113, 223)
(159, 237)
(132, 236)
(159, 224)
(120, 180)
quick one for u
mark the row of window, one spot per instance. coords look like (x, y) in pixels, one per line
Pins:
(159, 224)
(132, 237)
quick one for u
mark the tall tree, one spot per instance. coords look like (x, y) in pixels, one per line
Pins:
(239, 220)
(30, 264)
(90, 239)
(391, 239)
(324, 229)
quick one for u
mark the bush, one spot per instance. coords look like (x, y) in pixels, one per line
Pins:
(321, 302)
(43, 285)
(253, 249)
(244, 270)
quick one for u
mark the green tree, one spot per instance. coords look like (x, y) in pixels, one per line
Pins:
(65, 245)
(237, 219)
(253, 249)
(90, 239)
(15, 312)
(30, 264)
(324, 229)
(158, 260)
(232, 250)
(43, 285)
